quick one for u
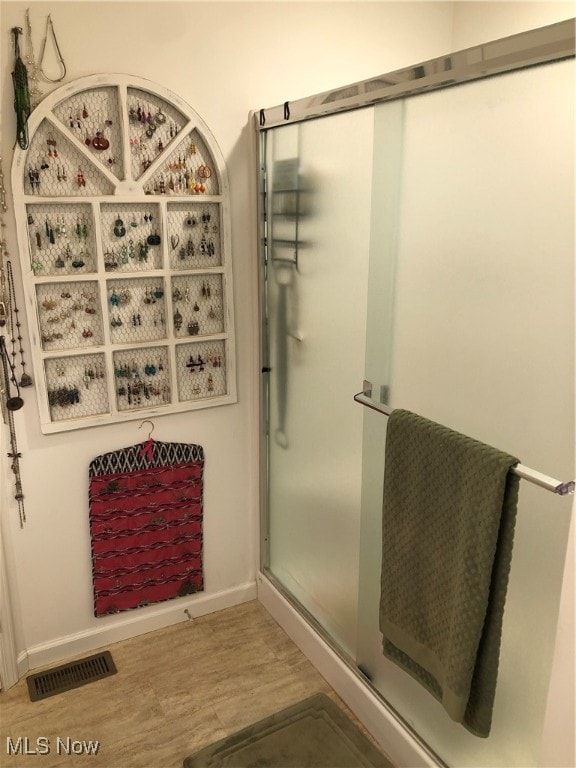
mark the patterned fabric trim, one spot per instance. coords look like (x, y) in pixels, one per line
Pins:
(137, 457)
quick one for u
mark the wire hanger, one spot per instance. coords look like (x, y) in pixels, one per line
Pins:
(62, 65)
(147, 421)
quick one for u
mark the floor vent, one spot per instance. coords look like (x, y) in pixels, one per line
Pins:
(72, 675)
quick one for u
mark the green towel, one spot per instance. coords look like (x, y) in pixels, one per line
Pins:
(448, 526)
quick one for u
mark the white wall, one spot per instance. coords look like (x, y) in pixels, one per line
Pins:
(224, 59)
(478, 22)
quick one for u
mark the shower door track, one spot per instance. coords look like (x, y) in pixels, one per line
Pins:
(544, 45)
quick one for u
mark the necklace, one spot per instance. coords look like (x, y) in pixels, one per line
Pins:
(9, 405)
(15, 325)
(34, 91)
(21, 95)
(9, 312)
(3, 254)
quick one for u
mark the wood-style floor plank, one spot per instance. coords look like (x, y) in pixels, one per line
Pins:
(177, 690)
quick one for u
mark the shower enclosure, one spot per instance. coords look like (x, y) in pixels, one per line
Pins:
(417, 246)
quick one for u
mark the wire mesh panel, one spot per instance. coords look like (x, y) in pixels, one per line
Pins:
(154, 125)
(93, 117)
(69, 315)
(201, 370)
(136, 310)
(123, 212)
(197, 302)
(194, 235)
(131, 237)
(61, 238)
(142, 378)
(76, 386)
(187, 170)
(55, 168)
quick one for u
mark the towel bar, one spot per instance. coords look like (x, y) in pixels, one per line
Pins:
(544, 481)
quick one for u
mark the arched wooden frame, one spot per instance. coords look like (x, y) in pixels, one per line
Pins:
(123, 223)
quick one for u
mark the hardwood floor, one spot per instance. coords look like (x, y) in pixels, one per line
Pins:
(176, 691)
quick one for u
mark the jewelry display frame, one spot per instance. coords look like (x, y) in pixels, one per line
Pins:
(123, 225)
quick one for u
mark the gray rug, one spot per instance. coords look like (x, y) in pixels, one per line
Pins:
(312, 734)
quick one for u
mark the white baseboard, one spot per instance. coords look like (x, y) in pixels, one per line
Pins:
(396, 741)
(133, 623)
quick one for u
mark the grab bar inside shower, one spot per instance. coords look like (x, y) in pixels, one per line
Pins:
(544, 481)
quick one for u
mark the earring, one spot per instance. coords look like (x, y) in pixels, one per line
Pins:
(119, 229)
(100, 141)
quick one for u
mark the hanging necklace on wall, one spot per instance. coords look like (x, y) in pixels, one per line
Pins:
(15, 325)
(9, 405)
(4, 301)
(21, 95)
(9, 312)
(33, 89)
(50, 31)
(11, 402)
(8, 402)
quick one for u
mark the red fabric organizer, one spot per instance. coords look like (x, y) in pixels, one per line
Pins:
(146, 505)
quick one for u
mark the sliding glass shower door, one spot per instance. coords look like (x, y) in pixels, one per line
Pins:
(483, 342)
(425, 246)
(318, 218)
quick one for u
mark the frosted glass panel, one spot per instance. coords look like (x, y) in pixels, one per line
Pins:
(426, 245)
(483, 342)
(317, 322)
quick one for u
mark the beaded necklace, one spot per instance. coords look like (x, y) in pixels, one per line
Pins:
(9, 318)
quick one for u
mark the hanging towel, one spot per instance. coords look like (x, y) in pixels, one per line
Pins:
(448, 525)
